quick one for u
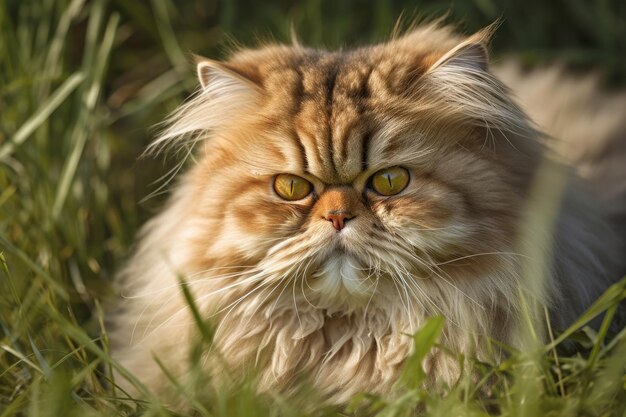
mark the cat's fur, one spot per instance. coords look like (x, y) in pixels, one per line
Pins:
(290, 296)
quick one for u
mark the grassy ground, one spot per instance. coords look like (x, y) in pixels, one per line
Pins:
(81, 83)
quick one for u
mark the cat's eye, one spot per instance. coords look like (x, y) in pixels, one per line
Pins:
(390, 181)
(291, 187)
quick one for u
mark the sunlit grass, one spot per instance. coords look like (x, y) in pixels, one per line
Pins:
(76, 103)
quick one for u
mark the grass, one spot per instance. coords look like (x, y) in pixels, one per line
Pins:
(81, 83)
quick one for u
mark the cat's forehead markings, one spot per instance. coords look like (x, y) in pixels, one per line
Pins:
(329, 122)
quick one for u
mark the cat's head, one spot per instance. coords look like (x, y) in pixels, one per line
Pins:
(352, 176)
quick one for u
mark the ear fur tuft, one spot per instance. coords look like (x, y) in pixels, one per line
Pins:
(472, 53)
(214, 75)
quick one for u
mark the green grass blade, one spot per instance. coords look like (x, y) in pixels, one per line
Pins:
(56, 286)
(42, 114)
(612, 296)
(424, 340)
(166, 32)
(89, 102)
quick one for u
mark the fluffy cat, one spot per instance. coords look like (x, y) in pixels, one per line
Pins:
(340, 198)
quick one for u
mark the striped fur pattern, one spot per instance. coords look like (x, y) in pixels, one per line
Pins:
(292, 298)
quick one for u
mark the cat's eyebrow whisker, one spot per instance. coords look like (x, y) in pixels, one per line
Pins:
(408, 156)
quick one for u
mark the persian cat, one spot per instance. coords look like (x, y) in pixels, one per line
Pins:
(337, 199)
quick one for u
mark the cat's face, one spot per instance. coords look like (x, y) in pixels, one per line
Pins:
(343, 176)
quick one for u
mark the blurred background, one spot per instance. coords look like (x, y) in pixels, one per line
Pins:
(83, 84)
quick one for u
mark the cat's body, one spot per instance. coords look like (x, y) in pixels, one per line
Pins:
(293, 295)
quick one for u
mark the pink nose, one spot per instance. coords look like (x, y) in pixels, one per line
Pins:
(339, 218)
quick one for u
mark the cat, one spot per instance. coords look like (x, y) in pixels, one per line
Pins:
(338, 199)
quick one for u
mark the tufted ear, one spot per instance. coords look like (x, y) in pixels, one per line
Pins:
(220, 78)
(465, 91)
(229, 93)
(470, 54)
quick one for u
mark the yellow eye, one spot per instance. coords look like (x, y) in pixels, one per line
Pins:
(390, 181)
(291, 187)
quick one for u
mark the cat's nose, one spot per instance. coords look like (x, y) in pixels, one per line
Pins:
(338, 218)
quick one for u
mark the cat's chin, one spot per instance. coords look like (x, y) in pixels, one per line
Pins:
(341, 282)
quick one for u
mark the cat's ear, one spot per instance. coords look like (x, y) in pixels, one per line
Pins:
(228, 93)
(471, 54)
(220, 78)
(460, 82)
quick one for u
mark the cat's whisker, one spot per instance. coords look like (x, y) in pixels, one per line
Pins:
(196, 300)
(412, 284)
(294, 280)
(295, 303)
(437, 274)
(216, 268)
(402, 272)
(173, 295)
(428, 229)
(273, 308)
(284, 275)
(397, 283)
(377, 280)
(407, 253)
(263, 287)
(481, 254)
(257, 240)
(305, 280)
(138, 320)
(265, 284)
(204, 296)
(190, 283)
